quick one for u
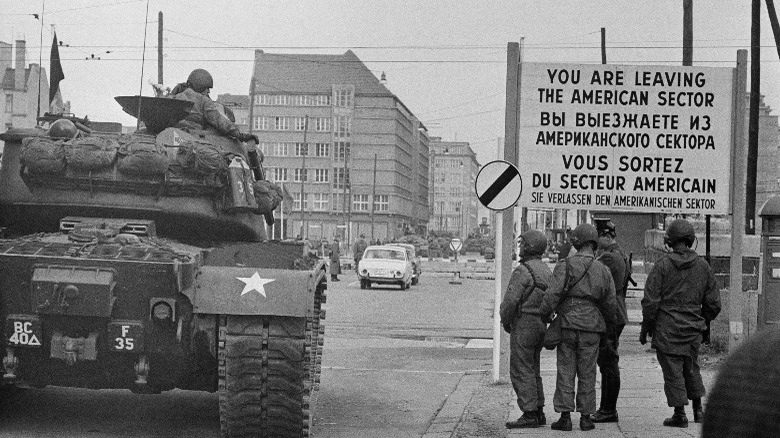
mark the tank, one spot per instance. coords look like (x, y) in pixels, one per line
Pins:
(141, 261)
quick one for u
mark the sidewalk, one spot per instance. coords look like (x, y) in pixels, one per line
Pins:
(642, 404)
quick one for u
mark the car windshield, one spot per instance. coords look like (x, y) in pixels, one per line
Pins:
(385, 254)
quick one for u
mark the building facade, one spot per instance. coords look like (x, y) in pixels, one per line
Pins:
(353, 157)
(454, 204)
(20, 88)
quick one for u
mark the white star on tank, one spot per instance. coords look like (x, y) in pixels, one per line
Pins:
(254, 283)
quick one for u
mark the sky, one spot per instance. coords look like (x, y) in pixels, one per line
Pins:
(444, 59)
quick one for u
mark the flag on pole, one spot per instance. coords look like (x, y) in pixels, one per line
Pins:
(55, 70)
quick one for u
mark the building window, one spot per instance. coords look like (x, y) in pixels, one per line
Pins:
(9, 103)
(320, 175)
(301, 149)
(381, 203)
(261, 124)
(275, 149)
(298, 173)
(281, 123)
(360, 202)
(341, 150)
(320, 201)
(282, 99)
(344, 98)
(343, 125)
(338, 177)
(322, 149)
(338, 202)
(297, 202)
(300, 123)
(278, 174)
(322, 124)
(322, 100)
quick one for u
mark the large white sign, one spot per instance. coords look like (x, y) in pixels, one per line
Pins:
(626, 138)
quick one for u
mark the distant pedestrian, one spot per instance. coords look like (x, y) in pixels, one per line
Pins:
(335, 259)
(680, 298)
(744, 399)
(521, 318)
(582, 293)
(358, 249)
(610, 254)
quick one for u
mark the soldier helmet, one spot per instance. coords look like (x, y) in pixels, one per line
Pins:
(533, 242)
(62, 128)
(583, 234)
(678, 230)
(200, 80)
(605, 226)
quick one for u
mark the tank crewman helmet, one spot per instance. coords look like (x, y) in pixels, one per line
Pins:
(679, 230)
(583, 234)
(62, 128)
(533, 242)
(605, 226)
(200, 80)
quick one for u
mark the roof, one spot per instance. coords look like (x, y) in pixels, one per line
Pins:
(8, 78)
(233, 100)
(297, 73)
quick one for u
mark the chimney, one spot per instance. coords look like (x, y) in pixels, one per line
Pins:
(6, 51)
(20, 62)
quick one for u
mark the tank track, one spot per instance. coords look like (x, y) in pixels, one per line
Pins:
(269, 372)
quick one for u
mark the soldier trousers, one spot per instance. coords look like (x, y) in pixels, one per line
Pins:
(577, 354)
(608, 362)
(682, 376)
(525, 351)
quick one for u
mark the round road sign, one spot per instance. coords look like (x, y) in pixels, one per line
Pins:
(498, 185)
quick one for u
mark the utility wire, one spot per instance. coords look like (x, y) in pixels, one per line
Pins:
(73, 9)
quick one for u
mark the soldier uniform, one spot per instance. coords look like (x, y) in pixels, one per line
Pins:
(521, 318)
(680, 299)
(335, 260)
(616, 261)
(587, 308)
(359, 248)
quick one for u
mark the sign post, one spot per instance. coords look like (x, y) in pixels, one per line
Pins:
(455, 246)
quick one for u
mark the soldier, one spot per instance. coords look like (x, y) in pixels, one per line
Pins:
(680, 299)
(205, 114)
(335, 260)
(612, 257)
(520, 318)
(358, 249)
(583, 295)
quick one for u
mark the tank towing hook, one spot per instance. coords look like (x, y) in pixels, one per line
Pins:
(10, 364)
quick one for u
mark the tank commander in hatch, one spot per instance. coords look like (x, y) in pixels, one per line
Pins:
(205, 113)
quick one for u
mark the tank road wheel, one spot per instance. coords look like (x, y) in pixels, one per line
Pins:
(261, 377)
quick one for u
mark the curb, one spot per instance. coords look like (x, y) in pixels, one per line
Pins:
(449, 416)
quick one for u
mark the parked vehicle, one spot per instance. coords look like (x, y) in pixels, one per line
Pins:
(416, 263)
(385, 264)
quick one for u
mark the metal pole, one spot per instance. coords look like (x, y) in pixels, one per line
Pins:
(373, 200)
(160, 47)
(687, 32)
(603, 45)
(345, 153)
(770, 7)
(755, 97)
(281, 213)
(304, 152)
(738, 203)
(497, 301)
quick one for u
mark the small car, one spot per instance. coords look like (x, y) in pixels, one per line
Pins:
(385, 264)
(412, 255)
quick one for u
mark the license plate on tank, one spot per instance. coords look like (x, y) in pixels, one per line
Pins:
(23, 331)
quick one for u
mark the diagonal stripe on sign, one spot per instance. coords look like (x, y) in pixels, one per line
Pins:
(502, 181)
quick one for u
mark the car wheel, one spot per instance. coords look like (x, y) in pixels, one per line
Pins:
(362, 284)
(403, 285)
(415, 281)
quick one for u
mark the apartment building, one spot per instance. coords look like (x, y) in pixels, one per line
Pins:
(455, 205)
(353, 157)
(20, 88)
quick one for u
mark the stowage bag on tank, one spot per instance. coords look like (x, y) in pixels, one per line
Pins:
(43, 155)
(91, 153)
(268, 196)
(145, 158)
(201, 158)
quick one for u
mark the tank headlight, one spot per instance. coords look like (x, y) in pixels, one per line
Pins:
(162, 311)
